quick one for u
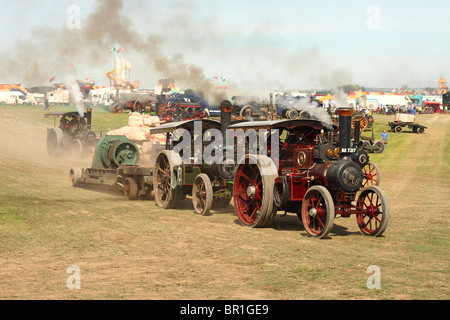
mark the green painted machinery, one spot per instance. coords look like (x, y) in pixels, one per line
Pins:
(115, 166)
(115, 151)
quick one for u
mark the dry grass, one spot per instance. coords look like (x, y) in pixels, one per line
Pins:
(134, 250)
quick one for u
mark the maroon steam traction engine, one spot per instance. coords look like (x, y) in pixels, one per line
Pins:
(322, 173)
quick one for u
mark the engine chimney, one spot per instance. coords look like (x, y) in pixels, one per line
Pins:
(225, 117)
(88, 117)
(345, 129)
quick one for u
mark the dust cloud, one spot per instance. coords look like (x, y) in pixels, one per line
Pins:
(55, 49)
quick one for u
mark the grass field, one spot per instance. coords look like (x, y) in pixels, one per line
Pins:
(135, 250)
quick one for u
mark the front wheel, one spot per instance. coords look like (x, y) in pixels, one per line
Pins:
(373, 211)
(202, 194)
(318, 211)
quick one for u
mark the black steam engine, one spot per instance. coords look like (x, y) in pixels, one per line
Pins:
(317, 171)
(73, 135)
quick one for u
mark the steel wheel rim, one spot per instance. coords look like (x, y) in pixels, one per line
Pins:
(371, 220)
(248, 207)
(314, 213)
(200, 195)
(371, 176)
(162, 192)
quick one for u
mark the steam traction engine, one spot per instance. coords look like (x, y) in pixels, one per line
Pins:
(180, 107)
(74, 134)
(210, 184)
(320, 174)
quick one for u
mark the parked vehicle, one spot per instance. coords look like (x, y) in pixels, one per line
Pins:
(15, 98)
(403, 120)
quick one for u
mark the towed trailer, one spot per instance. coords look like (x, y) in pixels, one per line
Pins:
(403, 120)
(114, 167)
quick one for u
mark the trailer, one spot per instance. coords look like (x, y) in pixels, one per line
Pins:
(403, 120)
(115, 167)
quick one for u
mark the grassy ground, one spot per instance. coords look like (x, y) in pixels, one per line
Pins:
(135, 250)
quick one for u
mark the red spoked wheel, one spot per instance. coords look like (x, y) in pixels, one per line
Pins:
(371, 175)
(318, 211)
(373, 211)
(166, 195)
(253, 191)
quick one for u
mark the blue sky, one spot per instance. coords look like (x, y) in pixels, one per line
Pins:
(263, 44)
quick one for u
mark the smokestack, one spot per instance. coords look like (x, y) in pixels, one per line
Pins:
(225, 117)
(357, 132)
(345, 129)
(88, 117)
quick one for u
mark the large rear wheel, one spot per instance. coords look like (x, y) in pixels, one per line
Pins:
(54, 142)
(253, 191)
(363, 122)
(166, 194)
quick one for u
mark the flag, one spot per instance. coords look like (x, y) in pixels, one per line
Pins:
(112, 50)
(52, 79)
(120, 50)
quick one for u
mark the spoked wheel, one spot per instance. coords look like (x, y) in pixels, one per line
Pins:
(373, 211)
(166, 196)
(202, 194)
(253, 191)
(318, 211)
(371, 175)
(363, 122)
(130, 189)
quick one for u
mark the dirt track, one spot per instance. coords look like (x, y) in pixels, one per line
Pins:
(134, 250)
